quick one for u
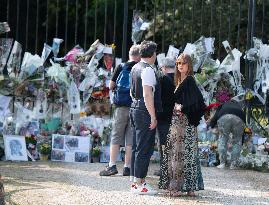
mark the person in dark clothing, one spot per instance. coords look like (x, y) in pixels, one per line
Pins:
(121, 129)
(230, 119)
(167, 96)
(146, 94)
(180, 168)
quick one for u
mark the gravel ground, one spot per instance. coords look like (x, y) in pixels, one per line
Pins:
(54, 183)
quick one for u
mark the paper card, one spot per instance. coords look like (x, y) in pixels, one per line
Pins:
(108, 50)
(15, 148)
(172, 52)
(209, 44)
(160, 58)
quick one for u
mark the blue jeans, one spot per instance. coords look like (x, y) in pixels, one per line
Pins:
(143, 142)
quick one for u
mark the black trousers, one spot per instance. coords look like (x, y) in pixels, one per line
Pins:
(143, 142)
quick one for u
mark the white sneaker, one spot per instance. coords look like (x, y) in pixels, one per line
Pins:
(145, 189)
(221, 166)
(134, 187)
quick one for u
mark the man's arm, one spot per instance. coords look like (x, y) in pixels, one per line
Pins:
(149, 102)
(112, 82)
(112, 85)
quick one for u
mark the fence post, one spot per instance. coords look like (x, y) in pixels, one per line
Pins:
(124, 39)
(249, 68)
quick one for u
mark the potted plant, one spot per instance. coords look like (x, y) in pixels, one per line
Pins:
(44, 150)
(96, 154)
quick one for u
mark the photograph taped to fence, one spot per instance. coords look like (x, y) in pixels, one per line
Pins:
(15, 148)
(70, 148)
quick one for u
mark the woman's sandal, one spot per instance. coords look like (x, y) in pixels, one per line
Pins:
(175, 193)
(191, 194)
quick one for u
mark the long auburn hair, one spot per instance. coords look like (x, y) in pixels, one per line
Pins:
(183, 58)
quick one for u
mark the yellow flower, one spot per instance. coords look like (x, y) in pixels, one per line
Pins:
(113, 46)
(82, 114)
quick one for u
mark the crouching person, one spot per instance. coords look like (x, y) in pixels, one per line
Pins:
(230, 119)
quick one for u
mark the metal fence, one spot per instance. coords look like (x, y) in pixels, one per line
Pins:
(176, 22)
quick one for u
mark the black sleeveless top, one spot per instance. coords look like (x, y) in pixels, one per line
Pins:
(137, 88)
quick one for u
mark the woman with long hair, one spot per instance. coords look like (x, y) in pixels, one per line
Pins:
(180, 169)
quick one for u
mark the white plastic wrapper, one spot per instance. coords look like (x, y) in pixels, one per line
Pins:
(73, 98)
(92, 64)
(56, 46)
(5, 47)
(96, 47)
(88, 82)
(57, 73)
(29, 65)
(46, 51)
(160, 58)
(103, 72)
(4, 103)
(199, 51)
(4, 27)
(14, 61)
(87, 86)
(137, 22)
(23, 116)
(172, 52)
(261, 56)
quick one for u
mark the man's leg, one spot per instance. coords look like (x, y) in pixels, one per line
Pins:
(128, 155)
(237, 131)
(145, 140)
(114, 152)
(133, 150)
(143, 144)
(224, 127)
(128, 145)
(117, 137)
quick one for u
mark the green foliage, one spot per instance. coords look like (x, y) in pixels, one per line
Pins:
(44, 148)
(96, 151)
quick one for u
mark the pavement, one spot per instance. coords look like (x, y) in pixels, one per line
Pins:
(57, 183)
